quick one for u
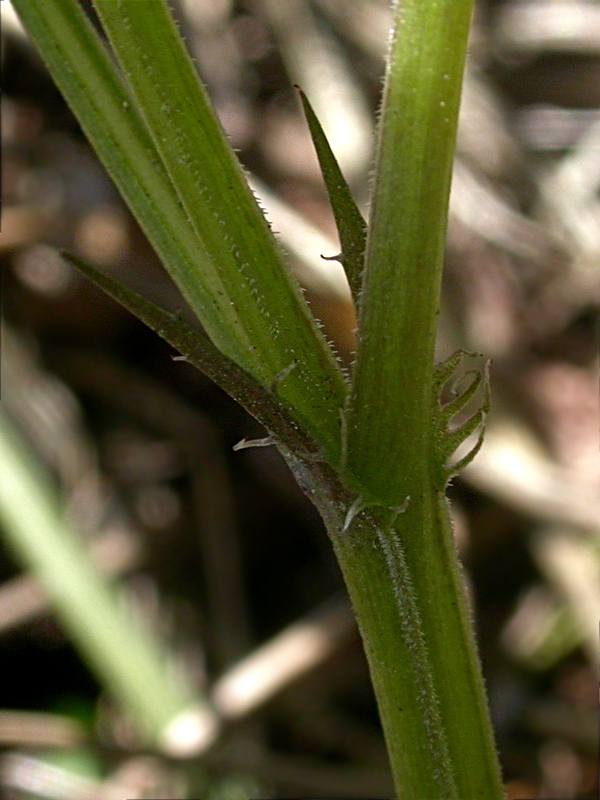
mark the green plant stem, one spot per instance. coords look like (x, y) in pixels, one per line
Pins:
(391, 533)
(388, 413)
(402, 573)
(385, 512)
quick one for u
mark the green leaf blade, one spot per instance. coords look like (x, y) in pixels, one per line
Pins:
(352, 229)
(198, 350)
(82, 69)
(244, 267)
(216, 245)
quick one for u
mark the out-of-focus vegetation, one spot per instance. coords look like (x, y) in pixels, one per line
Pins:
(219, 553)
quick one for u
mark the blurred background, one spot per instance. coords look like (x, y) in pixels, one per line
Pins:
(216, 556)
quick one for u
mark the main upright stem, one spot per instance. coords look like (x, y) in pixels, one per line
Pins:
(403, 576)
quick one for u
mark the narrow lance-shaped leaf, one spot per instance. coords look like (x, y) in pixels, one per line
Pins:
(262, 329)
(197, 349)
(244, 265)
(352, 229)
(88, 79)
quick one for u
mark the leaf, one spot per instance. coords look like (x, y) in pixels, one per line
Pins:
(198, 350)
(352, 229)
(90, 82)
(161, 142)
(447, 440)
(250, 283)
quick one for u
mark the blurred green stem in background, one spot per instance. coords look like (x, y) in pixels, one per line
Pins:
(123, 656)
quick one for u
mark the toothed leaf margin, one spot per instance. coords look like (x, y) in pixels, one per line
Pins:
(448, 439)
